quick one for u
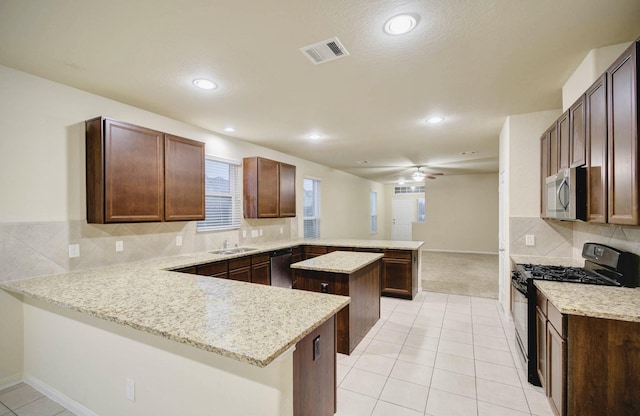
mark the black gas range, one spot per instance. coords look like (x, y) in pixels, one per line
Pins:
(603, 265)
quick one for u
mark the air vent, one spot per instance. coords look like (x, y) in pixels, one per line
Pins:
(325, 51)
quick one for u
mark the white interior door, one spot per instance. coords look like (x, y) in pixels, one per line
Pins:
(403, 213)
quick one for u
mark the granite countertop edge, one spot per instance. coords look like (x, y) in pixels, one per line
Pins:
(343, 262)
(594, 301)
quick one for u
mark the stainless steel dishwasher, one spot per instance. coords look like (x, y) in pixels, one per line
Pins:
(280, 270)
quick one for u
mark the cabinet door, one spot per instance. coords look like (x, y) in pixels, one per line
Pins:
(544, 172)
(553, 149)
(623, 139)
(577, 140)
(396, 274)
(184, 179)
(596, 136)
(133, 173)
(261, 273)
(267, 188)
(242, 274)
(287, 189)
(541, 346)
(556, 371)
(563, 141)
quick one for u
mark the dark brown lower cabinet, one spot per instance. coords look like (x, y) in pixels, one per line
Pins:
(363, 286)
(592, 364)
(314, 372)
(261, 269)
(240, 269)
(399, 274)
(218, 269)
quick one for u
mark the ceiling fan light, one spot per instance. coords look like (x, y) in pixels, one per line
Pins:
(418, 176)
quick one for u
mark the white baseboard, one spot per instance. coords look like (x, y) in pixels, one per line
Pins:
(10, 381)
(458, 251)
(58, 397)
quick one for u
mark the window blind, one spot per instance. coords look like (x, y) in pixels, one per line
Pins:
(373, 208)
(222, 195)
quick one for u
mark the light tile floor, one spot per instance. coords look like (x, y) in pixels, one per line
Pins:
(438, 355)
(24, 400)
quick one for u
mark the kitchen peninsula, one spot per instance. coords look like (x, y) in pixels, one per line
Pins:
(180, 343)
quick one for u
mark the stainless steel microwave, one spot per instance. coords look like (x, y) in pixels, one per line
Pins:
(567, 195)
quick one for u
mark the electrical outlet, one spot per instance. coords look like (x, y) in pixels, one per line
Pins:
(530, 240)
(260, 232)
(119, 245)
(255, 233)
(131, 389)
(179, 240)
(244, 233)
(281, 230)
(74, 250)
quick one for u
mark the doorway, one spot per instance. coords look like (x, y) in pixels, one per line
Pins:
(403, 214)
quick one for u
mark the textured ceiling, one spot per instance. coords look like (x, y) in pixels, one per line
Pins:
(473, 61)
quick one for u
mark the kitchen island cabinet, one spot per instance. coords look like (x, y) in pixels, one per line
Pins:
(356, 275)
(592, 338)
(193, 345)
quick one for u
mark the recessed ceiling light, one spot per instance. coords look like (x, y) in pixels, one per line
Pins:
(229, 129)
(400, 24)
(315, 136)
(205, 84)
(435, 120)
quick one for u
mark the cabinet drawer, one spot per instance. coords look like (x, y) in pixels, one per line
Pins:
(541, 302)
(239, 262)
(260, 258)
(397, 254)
(315, 250)
(210, 269)
(557, 319)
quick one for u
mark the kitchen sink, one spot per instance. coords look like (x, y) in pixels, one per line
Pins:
(234, 250)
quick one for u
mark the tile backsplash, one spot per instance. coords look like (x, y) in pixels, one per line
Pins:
(40, 248)
(565, 239)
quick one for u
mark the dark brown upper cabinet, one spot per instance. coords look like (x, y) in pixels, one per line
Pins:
(553, 149)
(544, 172)
(577, 140)
(622, 101)
(564, 144)
(183, 179)
(596, 139)
(269, 188)
(126, 170)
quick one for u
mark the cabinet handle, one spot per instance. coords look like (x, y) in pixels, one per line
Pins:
(324, 287)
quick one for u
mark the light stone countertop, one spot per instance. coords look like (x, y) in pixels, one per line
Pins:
(345, 262)
(248, 322)
(593, 301)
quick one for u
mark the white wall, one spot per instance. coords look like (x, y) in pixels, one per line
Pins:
(593, 65)
(89, 359)
(11, 338)
(461, 214)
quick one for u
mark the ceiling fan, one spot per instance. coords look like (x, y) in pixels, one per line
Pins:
(419, 175)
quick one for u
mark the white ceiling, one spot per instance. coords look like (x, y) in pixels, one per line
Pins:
(472, 61)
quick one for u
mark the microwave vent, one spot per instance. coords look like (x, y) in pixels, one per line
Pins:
(325, 51)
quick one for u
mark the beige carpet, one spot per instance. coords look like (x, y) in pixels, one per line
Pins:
(460, 273)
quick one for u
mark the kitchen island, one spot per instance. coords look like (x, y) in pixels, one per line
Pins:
(137, 339)
(352, 274)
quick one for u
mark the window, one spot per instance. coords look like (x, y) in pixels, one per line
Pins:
(221, 195)
(373, 209)
(409, 189)
(420, 209)
(311, 208)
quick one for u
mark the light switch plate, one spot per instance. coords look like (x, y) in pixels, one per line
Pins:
(530, 240)
(178, 240)
(255, 233)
